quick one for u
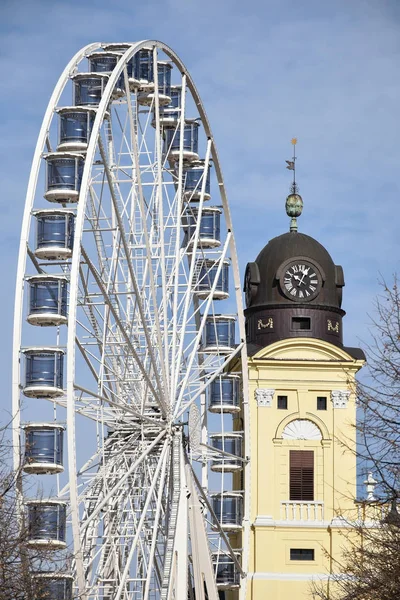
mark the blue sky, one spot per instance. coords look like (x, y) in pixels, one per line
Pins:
(327, 73)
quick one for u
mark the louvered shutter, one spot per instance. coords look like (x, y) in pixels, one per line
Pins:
(302, 475)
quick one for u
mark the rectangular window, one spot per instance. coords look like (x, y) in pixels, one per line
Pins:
(321, 403)
(301, 554)
(282, 402)
(303, 323)
(301, 486)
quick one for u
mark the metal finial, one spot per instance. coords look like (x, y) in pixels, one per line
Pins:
(294, 202)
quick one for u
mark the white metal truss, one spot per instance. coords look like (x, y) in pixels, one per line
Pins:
(140, 524)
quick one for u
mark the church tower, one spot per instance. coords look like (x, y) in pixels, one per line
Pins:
(302, 413)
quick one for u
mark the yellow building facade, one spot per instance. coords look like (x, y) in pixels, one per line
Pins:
(301, 480)
(292, 540)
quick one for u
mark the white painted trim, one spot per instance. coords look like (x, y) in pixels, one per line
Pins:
(290, 576)
(269, 521)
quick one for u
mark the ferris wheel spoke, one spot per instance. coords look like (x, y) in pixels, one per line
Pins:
(107, 368)
(192, 262)
(159, 204)
(126, 337)
(209, 380)
(201, 327)
(143, 216)
(133, 280)
(176, 362)
(119, 403)
(122, 480)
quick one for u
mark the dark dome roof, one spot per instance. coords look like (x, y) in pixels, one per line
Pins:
(292, 245)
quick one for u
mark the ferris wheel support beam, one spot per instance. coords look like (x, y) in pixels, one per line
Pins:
(203, 571)
(150, 493)
(156, 526)
(179, 579)
(212, 513)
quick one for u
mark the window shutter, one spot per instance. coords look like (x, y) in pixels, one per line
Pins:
(301, 475)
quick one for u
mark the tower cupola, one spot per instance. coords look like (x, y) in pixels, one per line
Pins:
(293, 288)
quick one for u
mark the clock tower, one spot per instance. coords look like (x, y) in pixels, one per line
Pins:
(302, 476)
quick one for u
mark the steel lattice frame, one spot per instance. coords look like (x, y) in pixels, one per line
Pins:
(133, 367)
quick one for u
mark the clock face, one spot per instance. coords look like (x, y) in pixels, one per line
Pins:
(301, 281)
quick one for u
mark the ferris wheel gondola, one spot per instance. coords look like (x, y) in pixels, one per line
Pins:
(122, 332)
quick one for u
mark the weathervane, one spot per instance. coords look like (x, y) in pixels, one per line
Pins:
(294, 202)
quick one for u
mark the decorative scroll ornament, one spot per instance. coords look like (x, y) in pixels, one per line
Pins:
(301, 429)
(267, 324)
(333, 327)
(340, 398)
(264, 396)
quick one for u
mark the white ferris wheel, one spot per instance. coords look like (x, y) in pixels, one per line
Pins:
(130, 413)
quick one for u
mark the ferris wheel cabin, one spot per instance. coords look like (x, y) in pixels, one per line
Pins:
(230, 443)
(105, 62)
(143, 71)
(47, 300)
(209, 230)
(227, 574)
(224, 394)
(43, 372)
(54, 233)
(207, 270)
(64, 176)
(190, 141)
(53, 586)
(43, 448)
(219, 334)
(46, 524)
(75, 126)
(164, 87)
(228, 508)
(88, 88)
(193, 179)
(170, 114)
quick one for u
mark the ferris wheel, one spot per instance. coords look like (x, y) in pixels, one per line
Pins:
(124, 352)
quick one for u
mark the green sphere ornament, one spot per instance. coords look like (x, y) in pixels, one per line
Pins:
(294, 205)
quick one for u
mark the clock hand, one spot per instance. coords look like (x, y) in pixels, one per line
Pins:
(305, 272)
